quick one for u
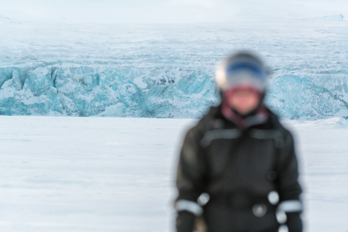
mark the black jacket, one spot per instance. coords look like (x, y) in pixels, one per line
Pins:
(238, 169)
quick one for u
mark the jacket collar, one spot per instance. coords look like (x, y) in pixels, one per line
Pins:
(260, 116)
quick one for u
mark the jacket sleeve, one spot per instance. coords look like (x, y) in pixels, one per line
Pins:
(289, 188)
(190, 182)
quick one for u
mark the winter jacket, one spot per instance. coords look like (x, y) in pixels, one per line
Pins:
(249, 175)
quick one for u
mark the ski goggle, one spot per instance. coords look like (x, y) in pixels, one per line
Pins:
(254, 69)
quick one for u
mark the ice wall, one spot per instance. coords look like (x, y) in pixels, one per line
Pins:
(167, 71)
(78, 90)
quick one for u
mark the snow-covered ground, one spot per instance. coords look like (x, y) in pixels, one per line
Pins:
(116, 174)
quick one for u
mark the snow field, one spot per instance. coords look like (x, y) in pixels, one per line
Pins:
(117, 174)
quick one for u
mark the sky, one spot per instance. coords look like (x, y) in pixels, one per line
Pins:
(168, 11)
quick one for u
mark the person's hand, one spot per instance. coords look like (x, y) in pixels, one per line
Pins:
(185, 221)
(294, 222)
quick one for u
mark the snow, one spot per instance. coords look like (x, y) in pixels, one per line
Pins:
(117, 174)
(331, 18)
(133, 70)
(5, 19)
(167, 11)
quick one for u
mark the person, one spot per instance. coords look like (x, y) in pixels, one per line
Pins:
(237, 168)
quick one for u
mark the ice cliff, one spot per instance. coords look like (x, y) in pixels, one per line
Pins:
(161, 71)
(78, 90)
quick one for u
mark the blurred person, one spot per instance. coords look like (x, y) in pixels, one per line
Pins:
(238, 169)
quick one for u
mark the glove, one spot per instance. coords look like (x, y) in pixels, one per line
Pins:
(185, 221)
(294, 222)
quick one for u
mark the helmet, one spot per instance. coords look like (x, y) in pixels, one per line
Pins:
(242, 69)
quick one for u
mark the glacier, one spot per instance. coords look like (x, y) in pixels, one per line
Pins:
(78, 90)
(167, 70)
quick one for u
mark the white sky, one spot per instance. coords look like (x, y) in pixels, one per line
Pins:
(168, 11)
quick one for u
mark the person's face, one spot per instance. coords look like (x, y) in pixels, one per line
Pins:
(244, 101)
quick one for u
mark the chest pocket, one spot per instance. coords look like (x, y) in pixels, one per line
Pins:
(269, 134)
(275, 141)
(217, 145)
(219, 134)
